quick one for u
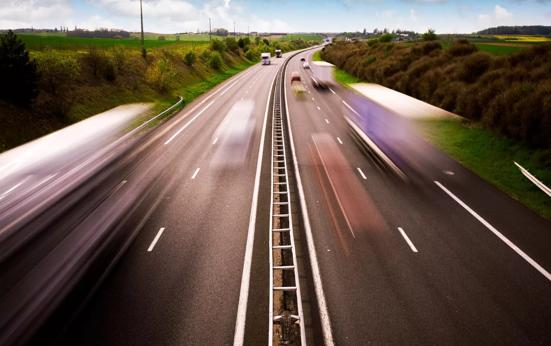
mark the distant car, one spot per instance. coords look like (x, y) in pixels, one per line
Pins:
(295, 77)
(306, 66)
(302, 59)
(296, 85)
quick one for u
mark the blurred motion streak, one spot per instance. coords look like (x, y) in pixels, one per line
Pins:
(358, 210)
(234, 135)
(73, 201)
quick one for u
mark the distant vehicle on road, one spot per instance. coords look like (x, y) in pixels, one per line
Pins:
(302, 59)
(265, 57)
(306, 66)
(296, 84)
(278, 53)
(322, 74)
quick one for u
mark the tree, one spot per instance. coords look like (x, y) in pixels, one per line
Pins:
(217, 45)
(19, 73)
(430, 35)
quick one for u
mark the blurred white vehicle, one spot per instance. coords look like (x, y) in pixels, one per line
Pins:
(265, 57)
(234, 136)
(306, 66)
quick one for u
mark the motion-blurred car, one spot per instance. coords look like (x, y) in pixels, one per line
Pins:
(296, 84)
(302, 59)
(306, 66)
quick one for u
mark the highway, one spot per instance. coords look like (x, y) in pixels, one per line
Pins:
(162, 237)
(436, 256)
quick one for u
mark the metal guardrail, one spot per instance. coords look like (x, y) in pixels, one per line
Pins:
(534, 180)
(286, 326)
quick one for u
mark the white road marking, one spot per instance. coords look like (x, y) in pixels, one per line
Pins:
(449, 172)
(215, 140)
(189, 122)
(318, 107)
(156, 239)
(361, 173)
(313, 99)
(534, 180)
(413, 248)
(376, 149)
(339, 140)
(241, 317)
(327, 120)
(314, 265)
(333, 91)
(497, 233)
(350, 107)
(195, 173)
(12, 188)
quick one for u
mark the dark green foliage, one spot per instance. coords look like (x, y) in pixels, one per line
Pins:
(18, 72)
(217, 45)
(244, 43)
(190, 58)
(99, 65)
(266, 41)
(430, 35)
(511, 94)
(232, 45)
(215, 61)
(386, 38)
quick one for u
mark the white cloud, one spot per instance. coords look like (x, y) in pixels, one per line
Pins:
(413, 15)
(27, 13)
(502, 13)
(386, 14)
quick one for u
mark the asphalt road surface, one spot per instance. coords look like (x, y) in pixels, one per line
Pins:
(434, 256)
(162, 239)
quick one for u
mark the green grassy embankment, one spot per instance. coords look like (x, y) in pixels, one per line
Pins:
(491, 156)
(80, 77)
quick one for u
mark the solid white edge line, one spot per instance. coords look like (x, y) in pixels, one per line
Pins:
(12, 188)
(406, 238)
(533, 179)
(222, 91)
(350, 107)
(195, 173)
(316, 276)
(156, 239)
(240, 320)
(496, 232)
(189, 122)
(361, 173)
(376, 149)
(333, 91)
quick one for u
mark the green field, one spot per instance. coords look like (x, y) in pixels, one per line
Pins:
(491, 156)
(498, 50)
(317, 56)
(38, 42)
(305, 37)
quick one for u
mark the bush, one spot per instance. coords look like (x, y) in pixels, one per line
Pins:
(244, 43)
(430, 35)
(215, 61)
(217, 45)
(386, 38)
(461, 48)
(251, 55)
(99, 64)
(58, 75)
(190, 58)
(18, 71)
(162, 74)
(232, 45)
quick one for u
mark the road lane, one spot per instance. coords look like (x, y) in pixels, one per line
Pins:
(464, 287)
(186, 291)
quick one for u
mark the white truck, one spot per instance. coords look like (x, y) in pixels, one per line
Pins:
(322, 74)
(265, 57)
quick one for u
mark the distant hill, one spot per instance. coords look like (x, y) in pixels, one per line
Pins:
(517, 30)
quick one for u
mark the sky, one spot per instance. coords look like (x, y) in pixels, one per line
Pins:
(170, 16)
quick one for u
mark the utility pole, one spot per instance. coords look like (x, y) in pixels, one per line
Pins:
(210, 29)
(233, 29)
(141, 20)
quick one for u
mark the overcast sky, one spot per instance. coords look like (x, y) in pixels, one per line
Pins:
(168, 16)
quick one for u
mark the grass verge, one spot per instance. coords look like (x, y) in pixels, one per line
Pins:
(491, 157)
(345, 78)
(317, 56)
